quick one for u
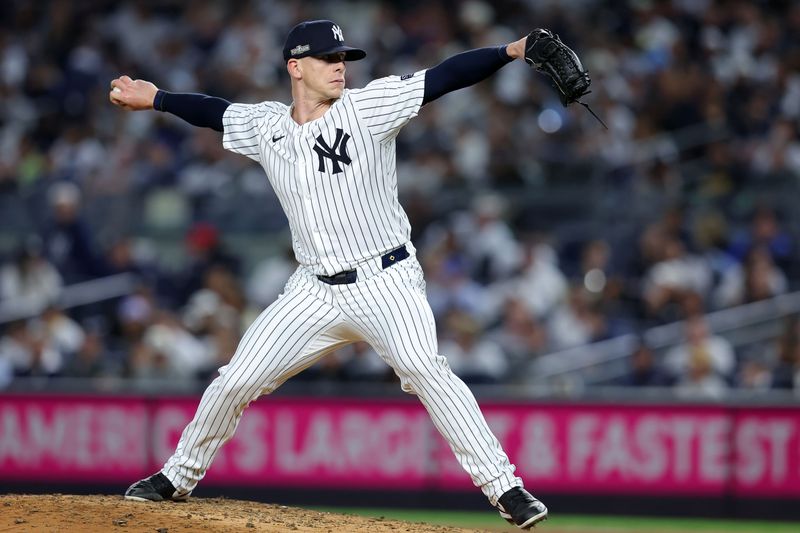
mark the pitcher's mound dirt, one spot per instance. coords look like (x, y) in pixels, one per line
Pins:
(90, 514)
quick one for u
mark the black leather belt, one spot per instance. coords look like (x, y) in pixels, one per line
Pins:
(350, 276)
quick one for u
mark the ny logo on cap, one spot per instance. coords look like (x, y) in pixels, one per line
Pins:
(337, 32)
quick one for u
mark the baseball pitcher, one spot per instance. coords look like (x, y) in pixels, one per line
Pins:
(330, 157)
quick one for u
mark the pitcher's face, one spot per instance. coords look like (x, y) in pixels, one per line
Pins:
(324, 75)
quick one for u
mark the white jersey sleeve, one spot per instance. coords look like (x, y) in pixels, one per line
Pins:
(244, 126)
(387, 104)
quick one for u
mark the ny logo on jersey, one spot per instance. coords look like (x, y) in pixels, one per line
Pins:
(336, 153)
(337, 32)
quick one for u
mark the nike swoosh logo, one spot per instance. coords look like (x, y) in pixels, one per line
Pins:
(275, 138)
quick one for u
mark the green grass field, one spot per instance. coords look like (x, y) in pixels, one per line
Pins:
(488, 521)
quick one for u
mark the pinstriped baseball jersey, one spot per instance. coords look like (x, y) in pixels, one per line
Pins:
(336, 176)
(336, 179)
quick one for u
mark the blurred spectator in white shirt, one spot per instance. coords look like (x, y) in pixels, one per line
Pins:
(675, 277)
(473, 358)
(541, 284)
(758, 279)
(700, 379)
(488, 241)
(779, 151)
(699, 340)
(168, 350)
(61, 332)
(29, 352)
(576, 322)
(30, 279)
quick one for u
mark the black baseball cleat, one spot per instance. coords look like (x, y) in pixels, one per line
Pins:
(155, 488)
(521, 509)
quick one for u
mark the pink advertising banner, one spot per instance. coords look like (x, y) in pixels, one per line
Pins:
(89, 439)
(392, 444)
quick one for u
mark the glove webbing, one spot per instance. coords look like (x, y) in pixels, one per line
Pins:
(584, 104)
(592, 112)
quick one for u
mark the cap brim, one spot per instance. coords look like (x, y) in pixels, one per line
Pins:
(350, 53)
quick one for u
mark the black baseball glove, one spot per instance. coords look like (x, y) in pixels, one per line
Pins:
(546, 53)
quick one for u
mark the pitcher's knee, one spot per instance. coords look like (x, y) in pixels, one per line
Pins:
(406, 385)
(239, 389)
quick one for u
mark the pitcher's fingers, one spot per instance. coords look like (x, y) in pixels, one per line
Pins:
(113, 97)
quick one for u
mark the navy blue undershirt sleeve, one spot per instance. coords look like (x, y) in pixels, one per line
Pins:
(196, 109)
(463, 70)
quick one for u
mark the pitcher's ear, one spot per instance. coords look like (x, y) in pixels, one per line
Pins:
(294, 69)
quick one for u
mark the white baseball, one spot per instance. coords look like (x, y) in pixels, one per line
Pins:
(116, 90)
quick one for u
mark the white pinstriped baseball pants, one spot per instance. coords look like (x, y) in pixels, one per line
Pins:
(386, 308)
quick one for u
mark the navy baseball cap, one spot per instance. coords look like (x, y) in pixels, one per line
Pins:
(318, 38)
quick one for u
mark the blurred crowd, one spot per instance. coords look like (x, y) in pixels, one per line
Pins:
(548, 231)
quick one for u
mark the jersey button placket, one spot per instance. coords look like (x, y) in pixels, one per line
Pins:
(307, 136)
